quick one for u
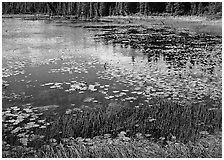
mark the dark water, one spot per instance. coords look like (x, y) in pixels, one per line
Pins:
(50, 64)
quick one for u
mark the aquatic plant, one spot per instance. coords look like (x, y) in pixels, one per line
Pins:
(158, 120)
(105, 147)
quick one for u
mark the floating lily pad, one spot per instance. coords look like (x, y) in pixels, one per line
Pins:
(88, 99)
(24, 141)
(16, 130)
(46, 107)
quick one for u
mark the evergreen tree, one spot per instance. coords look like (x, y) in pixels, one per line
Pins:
(178, 8)
(200, 8)
(132, 7)
(193, 8)
(168, 7)
(97, 9)
(91, 10)
(141, 7)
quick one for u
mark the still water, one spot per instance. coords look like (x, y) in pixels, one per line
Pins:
(46, 63)
(36, 53)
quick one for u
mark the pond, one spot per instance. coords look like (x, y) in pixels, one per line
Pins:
(60, 70)
(47, 63)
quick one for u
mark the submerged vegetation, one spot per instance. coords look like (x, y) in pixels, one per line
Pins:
(164, 99)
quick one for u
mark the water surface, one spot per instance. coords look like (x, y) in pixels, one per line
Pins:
(37, 53)
(56, 64)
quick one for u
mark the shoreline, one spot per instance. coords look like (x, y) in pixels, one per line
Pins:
(193, 23)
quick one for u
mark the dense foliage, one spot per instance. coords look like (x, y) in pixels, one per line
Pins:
(96, 9)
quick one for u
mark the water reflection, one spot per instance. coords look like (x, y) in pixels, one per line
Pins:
(132, 53)
(84, 42)
(48, 53)
(70, 66)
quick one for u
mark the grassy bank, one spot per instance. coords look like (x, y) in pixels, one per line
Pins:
(209, 146)
(166, 129)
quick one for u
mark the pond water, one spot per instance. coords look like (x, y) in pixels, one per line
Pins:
(47, 63)
(59, 68)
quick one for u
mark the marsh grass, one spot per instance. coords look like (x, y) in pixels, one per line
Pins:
(208, 146)
(211, 24)
(156, 124)
(160, 120)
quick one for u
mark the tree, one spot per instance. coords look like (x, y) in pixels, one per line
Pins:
(214, 8)
(98, 9)
(132, 7)
(168, 7)
(178, 8)
(52, 8)
(200, 8)
(193, 8)
(141, 7)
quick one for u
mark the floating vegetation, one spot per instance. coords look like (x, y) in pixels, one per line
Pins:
(20, 122)
(88, 99)
(146, 83)
(45, 107)
(173, 72)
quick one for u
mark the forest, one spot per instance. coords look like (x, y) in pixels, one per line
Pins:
(99, 9)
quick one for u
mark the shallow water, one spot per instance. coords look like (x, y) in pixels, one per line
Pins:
(36, 52)
(56, 64)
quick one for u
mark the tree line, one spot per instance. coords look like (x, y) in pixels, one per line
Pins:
(98, 9)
